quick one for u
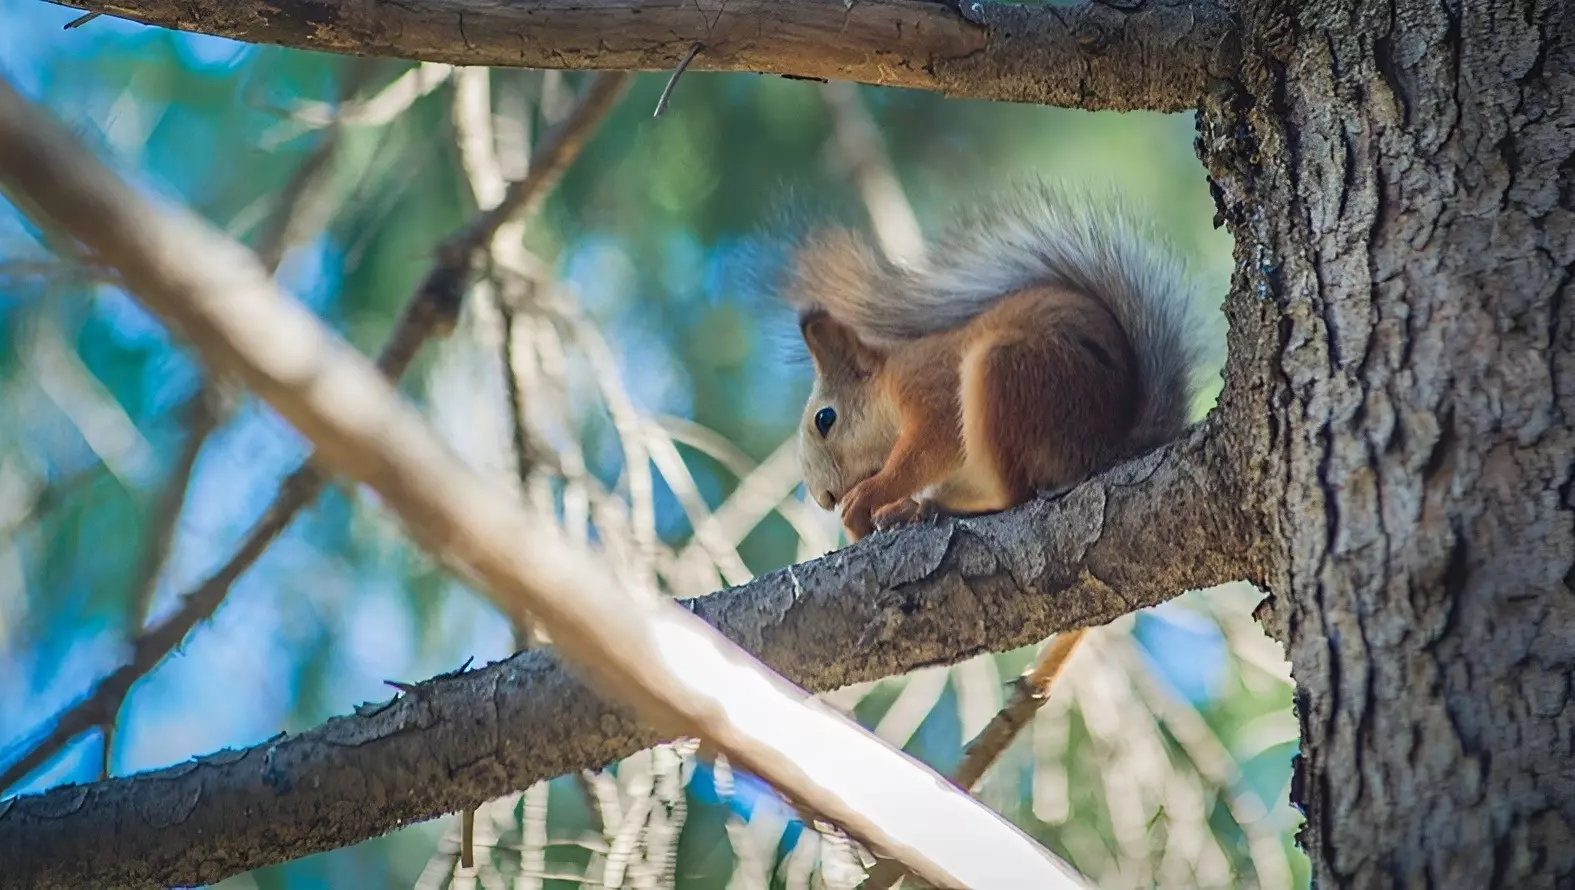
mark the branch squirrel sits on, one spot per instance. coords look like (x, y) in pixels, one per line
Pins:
(1047, 337)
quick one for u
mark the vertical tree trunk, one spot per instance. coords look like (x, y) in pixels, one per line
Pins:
(1414, 163)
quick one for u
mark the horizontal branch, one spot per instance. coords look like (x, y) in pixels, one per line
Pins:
(897, 601)
(1157, 55)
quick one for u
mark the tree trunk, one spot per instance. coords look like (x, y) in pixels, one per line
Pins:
(1405, 287)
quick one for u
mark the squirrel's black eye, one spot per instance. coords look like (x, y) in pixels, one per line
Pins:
(824, 418)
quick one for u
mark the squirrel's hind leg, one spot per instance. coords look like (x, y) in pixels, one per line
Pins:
(1038, 412)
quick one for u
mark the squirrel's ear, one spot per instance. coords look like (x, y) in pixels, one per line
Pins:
(836, 349)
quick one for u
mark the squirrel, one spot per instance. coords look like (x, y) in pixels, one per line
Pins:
(1047, 337)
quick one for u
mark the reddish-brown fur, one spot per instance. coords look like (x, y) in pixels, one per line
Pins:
(1031, 394)
(1041, 342)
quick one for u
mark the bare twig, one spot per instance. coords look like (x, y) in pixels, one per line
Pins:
(494, 319)
(202, 418)
(860, 146)
(438, 297)
(297, 211)
(467, 838)
(1133, 770)
(558, 147)
(1214, 763)
(533, 837)
(676, 671)
(428, 312)
(667, 91)
(579, 488)
(1029, 693)
(710, 540)
(91, 407)
(516, 360)
(99, 706)
(761, 488)
(377, 110)
(106, 754)
(490, 313)
(81, 20)
(504, 314)
(715, 538)
(629, 426)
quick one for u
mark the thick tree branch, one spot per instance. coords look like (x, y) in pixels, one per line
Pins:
(935, 594)
(680, 676)
(1158, 55)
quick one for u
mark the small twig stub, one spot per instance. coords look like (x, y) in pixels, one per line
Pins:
(667, 91)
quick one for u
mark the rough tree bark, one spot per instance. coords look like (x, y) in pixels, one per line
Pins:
(1401, 180)
(1120, 55)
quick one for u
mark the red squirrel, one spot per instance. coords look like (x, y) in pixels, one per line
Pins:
(1047, 337)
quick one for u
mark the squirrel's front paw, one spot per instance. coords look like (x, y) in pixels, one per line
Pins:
(857, 506)
(904, 512)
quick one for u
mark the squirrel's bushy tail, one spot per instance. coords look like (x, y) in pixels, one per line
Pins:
(1031, 234)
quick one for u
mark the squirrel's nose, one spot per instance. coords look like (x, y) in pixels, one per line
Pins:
(827, 500)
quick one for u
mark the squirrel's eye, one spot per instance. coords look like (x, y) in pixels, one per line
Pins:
(824, 418)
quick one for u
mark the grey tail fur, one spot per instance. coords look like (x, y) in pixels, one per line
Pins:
(1030, 235)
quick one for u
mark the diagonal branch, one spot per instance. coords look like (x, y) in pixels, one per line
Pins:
(1157, 55)
(297, 211)
(677, 672)
(430, 309)
(859, 145)
(896, 602)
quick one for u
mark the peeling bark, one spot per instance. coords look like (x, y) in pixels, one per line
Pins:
(1158, 55)
(1401, 180)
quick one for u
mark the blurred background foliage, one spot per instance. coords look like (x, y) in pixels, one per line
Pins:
(1162, 759)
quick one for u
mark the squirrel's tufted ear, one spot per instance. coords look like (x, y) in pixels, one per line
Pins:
(836, 349)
